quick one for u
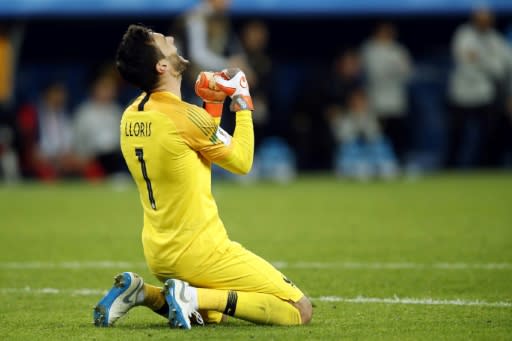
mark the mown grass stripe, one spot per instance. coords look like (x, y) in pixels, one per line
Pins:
(277, 264)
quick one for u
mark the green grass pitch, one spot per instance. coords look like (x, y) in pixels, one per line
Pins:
(408, 260)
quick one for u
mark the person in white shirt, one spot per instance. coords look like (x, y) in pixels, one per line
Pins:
(205, 34)
(46, 136)
(478, 90)
(387, 66)
(207, 37)
(96, 126)
(363, 150)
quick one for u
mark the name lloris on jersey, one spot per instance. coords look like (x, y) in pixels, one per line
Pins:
(139, 128)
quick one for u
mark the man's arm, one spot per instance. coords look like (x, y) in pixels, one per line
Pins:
(233, 153)
(240, 157)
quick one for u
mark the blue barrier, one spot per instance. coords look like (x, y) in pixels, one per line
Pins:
(243, 7)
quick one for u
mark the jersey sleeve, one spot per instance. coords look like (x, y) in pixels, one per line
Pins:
(233, 153)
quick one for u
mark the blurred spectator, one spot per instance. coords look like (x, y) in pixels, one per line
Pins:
(46, 136)
(212, 45)
(96, 125)
(206, 37)
(10, 40)
(346, 77)
(322, 93)
(8, 159)
(337, 82)
(7, 67)
(356, 121)
(255, 41)
(479, 89)
(362, 148)
(387, 67)
(507, 133)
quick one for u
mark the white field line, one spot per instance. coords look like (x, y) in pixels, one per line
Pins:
(394, 265)
(71, 265)
(410, 300)
(278, 264)
(358, 299)
(53, 291)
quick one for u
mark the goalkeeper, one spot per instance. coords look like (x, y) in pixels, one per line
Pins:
(169, 146)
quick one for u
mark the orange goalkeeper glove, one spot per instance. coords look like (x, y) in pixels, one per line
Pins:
(212, 96)
(234, 84)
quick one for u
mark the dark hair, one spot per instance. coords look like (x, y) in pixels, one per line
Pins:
(137, 56)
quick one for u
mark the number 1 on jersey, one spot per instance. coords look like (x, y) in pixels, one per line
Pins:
(139, 152)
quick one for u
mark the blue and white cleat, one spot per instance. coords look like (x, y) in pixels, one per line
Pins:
(181, 307)
(121, 298)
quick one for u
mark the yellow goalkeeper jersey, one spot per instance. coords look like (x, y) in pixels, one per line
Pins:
(169, 146)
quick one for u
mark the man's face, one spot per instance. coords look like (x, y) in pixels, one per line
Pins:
(220, 6)
(386, 32)
(166, 45)
(483, 19)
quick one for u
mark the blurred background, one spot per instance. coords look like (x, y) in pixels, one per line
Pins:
(375, 89)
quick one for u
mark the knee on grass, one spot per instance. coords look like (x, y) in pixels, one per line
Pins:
(305, 309)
